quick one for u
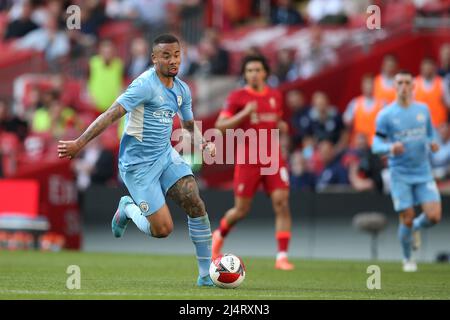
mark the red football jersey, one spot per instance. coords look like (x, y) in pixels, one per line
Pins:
(269, 111)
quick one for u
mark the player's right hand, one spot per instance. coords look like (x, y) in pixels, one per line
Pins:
(250, 107)
(68, 149)
(397, 148)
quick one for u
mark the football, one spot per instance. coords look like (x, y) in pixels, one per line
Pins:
(227, 271)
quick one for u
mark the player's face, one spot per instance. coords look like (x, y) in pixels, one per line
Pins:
(255, 74)
(404, 85)
(367, 86)
(167, 58)
(427, 69)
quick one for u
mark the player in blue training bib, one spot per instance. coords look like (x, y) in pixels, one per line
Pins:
(150, 168)
(404, 132)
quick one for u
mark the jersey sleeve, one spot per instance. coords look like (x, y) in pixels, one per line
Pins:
(185, 113)
(136, 94)
(432, 134)
(231, 105)
(349, 113)
(380, 145)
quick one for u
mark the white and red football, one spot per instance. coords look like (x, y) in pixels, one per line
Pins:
(227, 271)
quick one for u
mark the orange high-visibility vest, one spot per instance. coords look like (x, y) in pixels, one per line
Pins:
(433, 97)
(381, 92)
(364, 118)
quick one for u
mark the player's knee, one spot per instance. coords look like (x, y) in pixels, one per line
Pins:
(162, 231)
(434, 219)
(408, 221)
(281, 206)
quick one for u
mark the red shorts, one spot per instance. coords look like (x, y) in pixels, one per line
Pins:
(247, 179)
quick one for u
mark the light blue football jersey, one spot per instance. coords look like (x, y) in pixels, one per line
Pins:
(411, 126)
(151, 107)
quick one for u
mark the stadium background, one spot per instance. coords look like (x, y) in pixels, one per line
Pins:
(52, 90)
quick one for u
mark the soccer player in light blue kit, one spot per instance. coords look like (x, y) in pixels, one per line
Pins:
(148, 165)
(404, 132)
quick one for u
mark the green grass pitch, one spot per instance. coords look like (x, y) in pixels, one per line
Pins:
(36, 275)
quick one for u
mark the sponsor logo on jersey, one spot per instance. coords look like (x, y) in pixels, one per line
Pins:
(164, 116)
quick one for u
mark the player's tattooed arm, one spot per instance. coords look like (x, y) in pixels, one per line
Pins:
(186, 195)
(197, 137)
(69, 149)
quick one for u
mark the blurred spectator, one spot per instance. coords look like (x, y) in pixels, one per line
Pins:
(83, 40)
(444, 55)
(430, 89)
(444, 70)
(213, 58)
(314, 57)
(140, 58)
(365, 169)
(284, 66)
(105, 76)
(301, 177)
(189, 61)
(5, 4)
(284, 12)
(384, 82)
(151, 15)
(92, 17)
(95, 165)
(362, 111)
(334, 172)
(21, 26)
(322, 121)
(48, 39)
(295, 102)
(12, 123)
(440, 160)
(327, 11)
(54, 119)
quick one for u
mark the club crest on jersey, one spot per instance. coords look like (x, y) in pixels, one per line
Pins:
(144, 206)
(420, 117)
(272, 102)
(179, 100)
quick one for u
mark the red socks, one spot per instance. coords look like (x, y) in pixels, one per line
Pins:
(283, 238)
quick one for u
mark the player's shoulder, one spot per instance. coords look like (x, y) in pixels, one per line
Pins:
(237, 94)
(145, 78)
(420, 105)
(184, 87)
(387, 110)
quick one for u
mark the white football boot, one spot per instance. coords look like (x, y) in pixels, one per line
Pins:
(409, 266)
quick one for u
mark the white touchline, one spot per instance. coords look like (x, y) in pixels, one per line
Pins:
(87, 293)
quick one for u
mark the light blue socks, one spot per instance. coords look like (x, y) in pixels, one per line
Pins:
(421, 222)
(405, 237)
(134, 213)
(200, 233)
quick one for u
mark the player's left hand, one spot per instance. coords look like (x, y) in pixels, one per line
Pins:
(434, 147)
(210, 147)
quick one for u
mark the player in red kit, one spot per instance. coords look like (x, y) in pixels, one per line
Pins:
(257, 108)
